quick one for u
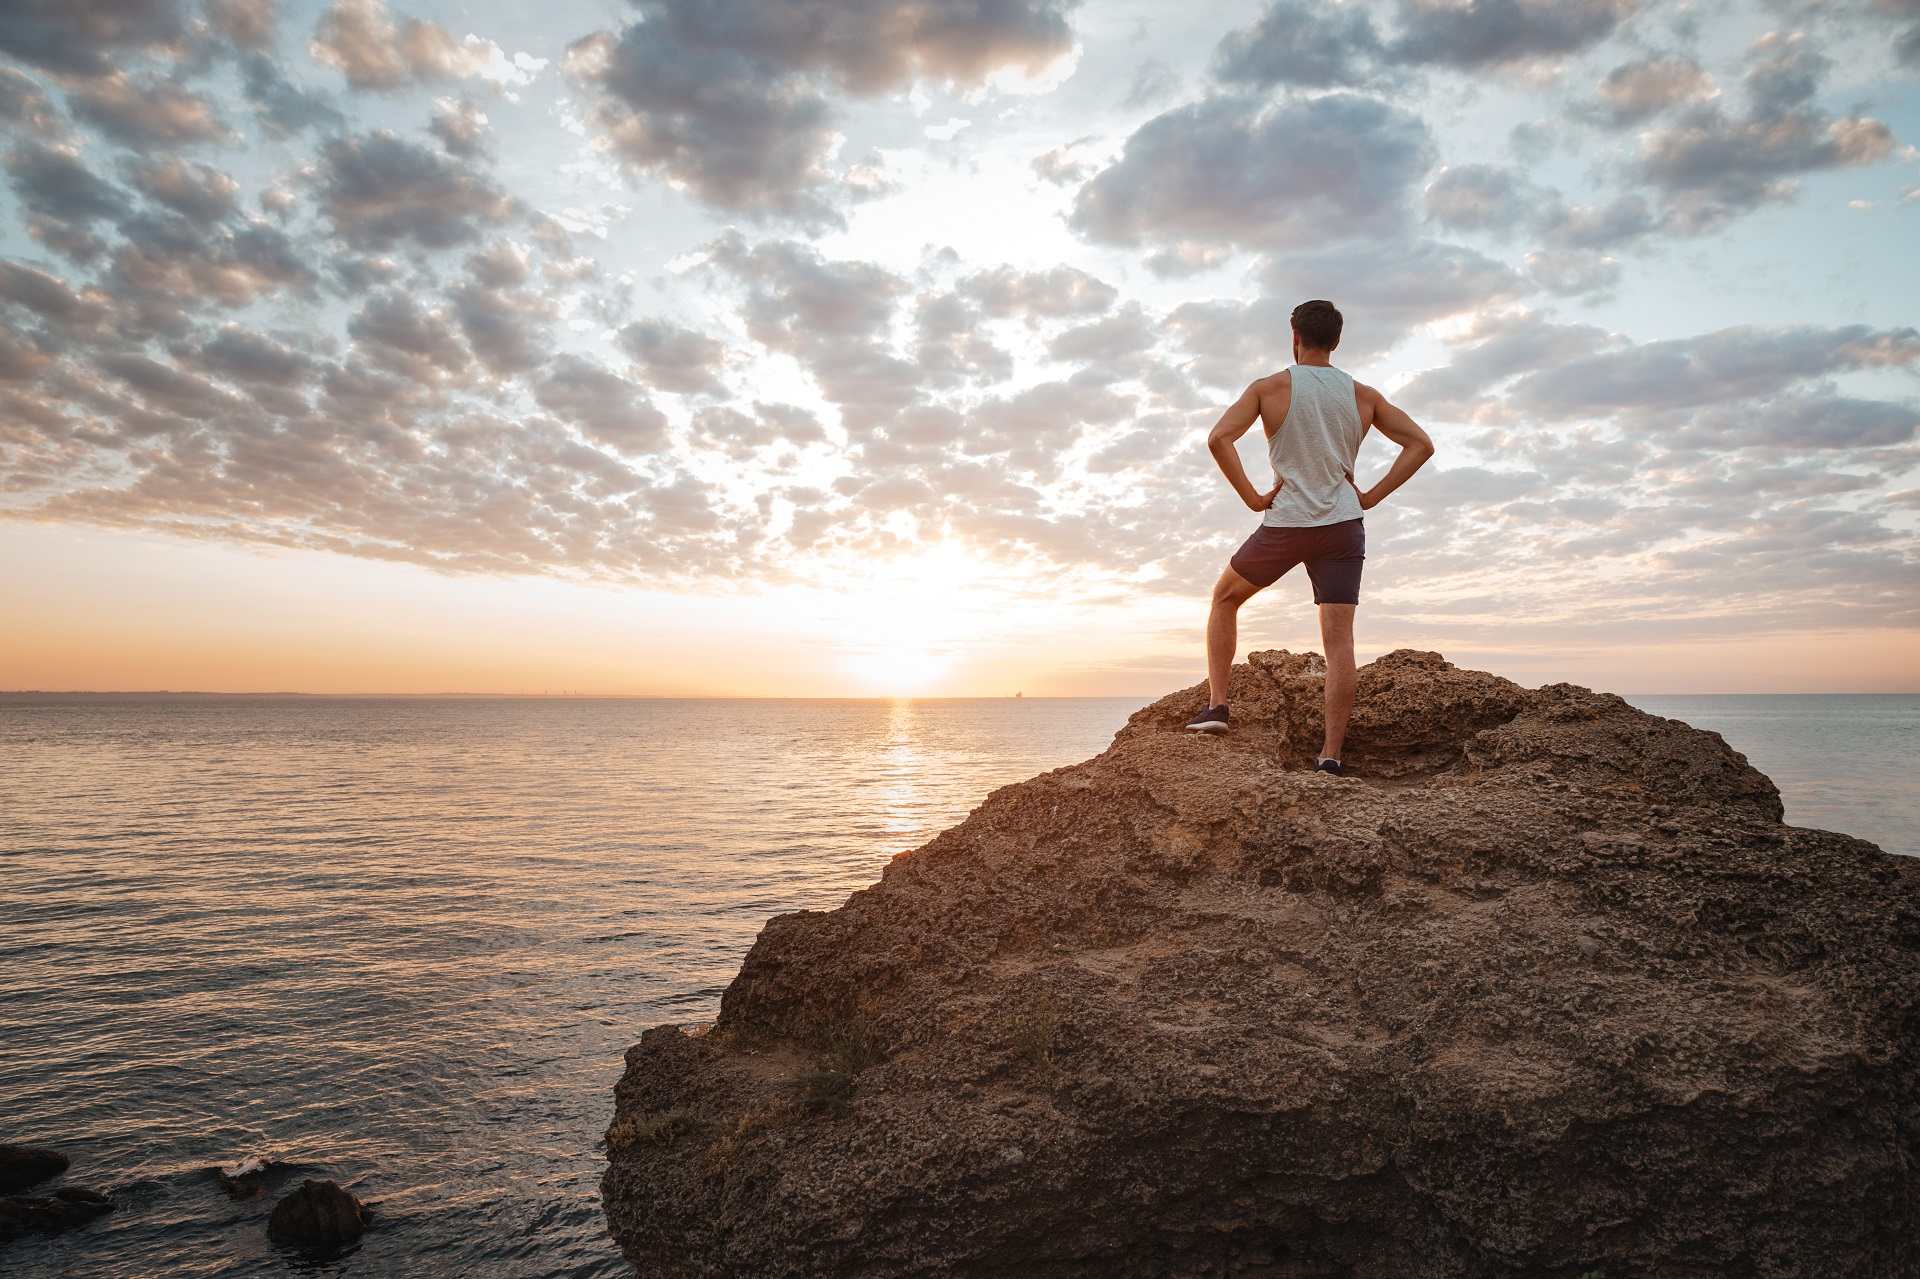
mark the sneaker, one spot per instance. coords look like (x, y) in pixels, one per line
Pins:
(1211, 720)
(1330, 766)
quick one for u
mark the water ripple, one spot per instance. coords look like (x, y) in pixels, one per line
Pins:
(404, 944)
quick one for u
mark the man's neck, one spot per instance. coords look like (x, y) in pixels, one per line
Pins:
(1323, 358)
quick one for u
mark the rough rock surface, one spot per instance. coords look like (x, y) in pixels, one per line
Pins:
(319, 1215)
(1546, 989)
(23, 1166)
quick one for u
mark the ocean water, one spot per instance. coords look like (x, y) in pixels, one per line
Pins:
(403, 944)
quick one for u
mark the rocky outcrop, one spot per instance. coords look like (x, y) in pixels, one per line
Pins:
(319, 1216)
(1545, 989)
(24, 1166)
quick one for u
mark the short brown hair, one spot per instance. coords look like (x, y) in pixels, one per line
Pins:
(1318, 324)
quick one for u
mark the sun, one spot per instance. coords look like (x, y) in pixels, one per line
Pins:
(903, 626)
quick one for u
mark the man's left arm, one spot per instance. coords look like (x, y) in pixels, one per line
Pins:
(1234, 423)
(1415, 446)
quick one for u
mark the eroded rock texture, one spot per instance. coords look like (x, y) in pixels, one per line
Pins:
(1547, 990)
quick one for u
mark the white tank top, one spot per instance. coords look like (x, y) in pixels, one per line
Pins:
(1314, 449)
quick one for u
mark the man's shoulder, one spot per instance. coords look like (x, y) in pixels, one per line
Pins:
(1281, 381)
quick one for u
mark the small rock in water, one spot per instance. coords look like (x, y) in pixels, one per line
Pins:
(64, 1209)
(23, 1166)
(249, 1179)
(319, 1215)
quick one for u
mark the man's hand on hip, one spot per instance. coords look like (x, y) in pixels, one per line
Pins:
(1366, 503)
(1262, 503)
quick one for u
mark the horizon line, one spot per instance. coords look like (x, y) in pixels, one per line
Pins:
(752, 697)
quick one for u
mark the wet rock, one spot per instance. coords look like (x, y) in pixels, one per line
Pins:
(64, 1209)
(25, 1166)
(1546, 988)
(252, 1179)
(319, 1216)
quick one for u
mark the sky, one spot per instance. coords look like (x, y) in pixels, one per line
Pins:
(869, 347)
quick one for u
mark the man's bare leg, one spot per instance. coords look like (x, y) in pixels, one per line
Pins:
(1336, 638)
(1229, 593)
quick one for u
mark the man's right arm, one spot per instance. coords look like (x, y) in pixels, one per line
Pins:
(1415, 446)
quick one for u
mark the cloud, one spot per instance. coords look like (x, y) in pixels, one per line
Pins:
(282, 107)
(53, 182)
(1153, 81)
(1728, 364)
(46, 295)
(1498, 347)
(360, 39)
(1109, 345)
(1321, 46)
(1465, 35)
(953, 346)
(1573, 274)
(23, 105)
(603, 404)
(1354, 180)
(1823, 419)
(1065, 165)
(758, 437)
(240, 355)
(730, 99)
(1481, 197)
(64, 199)
(673, 358)
(1334, 45)
(1634, 91)
(397, 333)
(1385, 291)
(1786, 70)
(460, 125)
(191, 190)
(247, 24)
(1621, 220)
(1061, 292)
(379, 191)
(148, 113)
(1711, 166)
(81, 37)
(507, 328)
(167, 265)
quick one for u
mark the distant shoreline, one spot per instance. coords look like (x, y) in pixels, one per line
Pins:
(160, 695)
(157, 695)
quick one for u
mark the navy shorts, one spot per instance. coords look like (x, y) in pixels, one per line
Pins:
(1333, 553)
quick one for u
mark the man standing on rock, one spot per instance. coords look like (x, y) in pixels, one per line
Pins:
(1314, 416)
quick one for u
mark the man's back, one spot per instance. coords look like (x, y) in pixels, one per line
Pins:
(1313, 449)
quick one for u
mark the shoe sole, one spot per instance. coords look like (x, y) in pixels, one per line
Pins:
(1206, 728)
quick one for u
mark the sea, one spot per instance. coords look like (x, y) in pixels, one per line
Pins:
(404, 943)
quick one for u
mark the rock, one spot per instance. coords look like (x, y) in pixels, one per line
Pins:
(251, 1179)
(1545, 988)
(319, 1216)
(64, 1209)
(24, 1166)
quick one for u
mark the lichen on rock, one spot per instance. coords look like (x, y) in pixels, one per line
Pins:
(1546, 988)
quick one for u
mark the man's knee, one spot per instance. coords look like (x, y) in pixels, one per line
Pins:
(1336, 621)
(1232, 590)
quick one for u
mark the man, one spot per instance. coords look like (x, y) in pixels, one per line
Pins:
(1315, 417)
